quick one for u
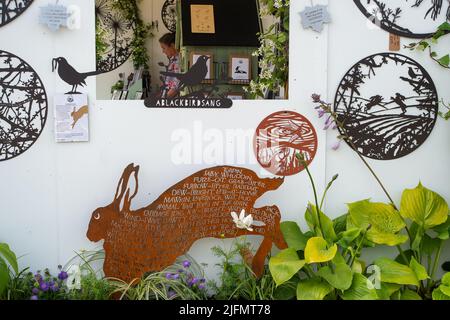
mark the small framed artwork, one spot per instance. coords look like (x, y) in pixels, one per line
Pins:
(116, 95)
(138, 95)
(124, 95)
(235, 96)
(196, 55)
(240, 69)
(202, 18)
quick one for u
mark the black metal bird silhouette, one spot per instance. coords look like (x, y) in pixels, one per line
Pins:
(399, 100)
(375, 100)
(195, 75)
(69, 75)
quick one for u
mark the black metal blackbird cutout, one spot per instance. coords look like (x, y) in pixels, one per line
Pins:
(400, 16)
(23, 106)
(10, 10)
(388, 105)
(69, 75)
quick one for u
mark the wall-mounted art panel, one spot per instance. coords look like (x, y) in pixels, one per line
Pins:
(400, 17)
(23, 106)
(388, 105)
(10, 10)
(169, 15)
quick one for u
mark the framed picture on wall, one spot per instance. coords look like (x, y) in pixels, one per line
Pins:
(209, 63)
(240, 69)
(235, 96)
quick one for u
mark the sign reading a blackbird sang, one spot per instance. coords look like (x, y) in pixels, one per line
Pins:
(388, 105)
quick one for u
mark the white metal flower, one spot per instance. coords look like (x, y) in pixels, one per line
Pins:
(74, 277)
(243, 222)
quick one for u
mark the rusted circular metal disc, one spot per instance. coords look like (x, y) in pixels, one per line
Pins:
(388, 105)
(280, 137)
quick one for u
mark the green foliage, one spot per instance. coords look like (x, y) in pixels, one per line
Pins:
(237, 280)
(422, 45)
(274, 49)
(8, 268)
(100, 44)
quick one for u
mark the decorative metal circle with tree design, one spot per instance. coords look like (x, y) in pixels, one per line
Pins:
(280, 137)
(388, 105)
(23, 106)
(400, 16)
(10, 10)
(169, 15)
(118, 35)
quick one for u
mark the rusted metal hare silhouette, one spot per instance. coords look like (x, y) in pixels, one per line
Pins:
(151, 238)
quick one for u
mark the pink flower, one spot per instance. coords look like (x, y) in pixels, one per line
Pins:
(336, 145)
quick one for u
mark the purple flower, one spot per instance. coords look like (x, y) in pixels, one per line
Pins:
(54, 288)
(202, 280)
(186, 264)
(63, 275)
(201, 286)
(321, 113)
(44, 286)
(176, 276)
(35, 291)
(194, 280)
(180, 270)
(336, 145)
(168, 276)
(34, 298)
(316, 98)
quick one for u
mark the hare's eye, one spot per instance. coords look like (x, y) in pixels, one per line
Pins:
(97, 216)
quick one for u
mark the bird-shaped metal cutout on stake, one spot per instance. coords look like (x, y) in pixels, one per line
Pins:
(69, 75)
(196, 74)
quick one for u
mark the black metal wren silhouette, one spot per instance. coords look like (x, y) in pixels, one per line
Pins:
(69, 75)
(387, 121)
(195, 75)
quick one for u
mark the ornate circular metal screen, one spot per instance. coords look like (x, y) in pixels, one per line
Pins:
(117, 33)
(388, 105)
(169, 15)
(9, 10)
(23, 106)
(280, 137)
(404, 17)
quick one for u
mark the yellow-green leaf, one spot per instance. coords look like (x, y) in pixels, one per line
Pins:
(313, 289)
(293, 236)
(327, 224)
(424, 207)
(394, 272)
(361, 289)
(317, 250)
(285, 265)
(439, 295)
(419, 270)
(384, 221)
(410, 295)
(340, 278)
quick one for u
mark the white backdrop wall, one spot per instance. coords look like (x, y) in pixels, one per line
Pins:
(49, 192)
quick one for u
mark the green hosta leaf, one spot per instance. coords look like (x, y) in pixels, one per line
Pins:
(408, 254)
(287, 290)
(394, 272)
(387, 290)
(424, 207)
(340, 278)
(285, 265)
(347, 237)
(317, 251)
(419, 270)
(10, 256)
(446, 279)
(358, 266)
(293, 236)
(361, 289)
(383, 219)
(430, 245)
(327, 225)
(313, 289)
(410, 295)
(439, 295)
(443, 230)
(4, 276)
(340, 223)
(445, 289)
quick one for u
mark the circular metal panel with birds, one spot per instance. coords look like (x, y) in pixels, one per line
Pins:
(204, 205)
(400, 16)
(10, 10)
(169, 15)
(23, 106)
(117, 33)
(383, 121)
(280, 137)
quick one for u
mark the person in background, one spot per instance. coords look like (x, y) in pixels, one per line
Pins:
(167, 43)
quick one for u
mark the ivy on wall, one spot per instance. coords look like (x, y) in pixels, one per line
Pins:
(274, 50)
